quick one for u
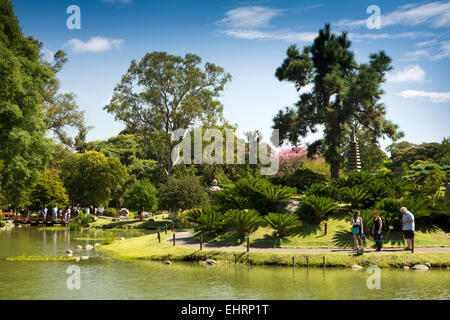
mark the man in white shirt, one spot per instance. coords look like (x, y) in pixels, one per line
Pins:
(408, 227)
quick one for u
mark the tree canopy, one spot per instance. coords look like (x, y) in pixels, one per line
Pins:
(142, 195)
(163, 93)
(344, 94)
(49, 191)
(23, 78)
(91, 177)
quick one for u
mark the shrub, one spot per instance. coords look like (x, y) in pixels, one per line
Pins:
(282, 223)
(109, 212)
(83, 219)
(321, 206)
(211, 220)
(244, 221)
(354, 178)
(193, 214)
(272, 196)
(306, 213)
(394, 184)
(253, 193)
(141, 195)
(183, 193)
(322, 191)
(2, 224)
(355, 195)
(303, 178)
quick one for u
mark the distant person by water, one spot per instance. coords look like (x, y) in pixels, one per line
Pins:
(377, 230)
(55, 213)
(408, 227)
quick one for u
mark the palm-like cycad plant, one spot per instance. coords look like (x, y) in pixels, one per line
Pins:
(193, 214)
(320, 205)
(355, 195)
(283, 223)
(275, 194)
(211, 220)
(396, 186)
(244, 221)
(229, 199)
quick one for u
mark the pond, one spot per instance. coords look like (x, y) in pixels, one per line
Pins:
(103, 277)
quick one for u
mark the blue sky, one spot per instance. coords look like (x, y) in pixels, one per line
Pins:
(249, 39)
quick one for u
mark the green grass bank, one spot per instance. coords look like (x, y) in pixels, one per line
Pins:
(148, 248)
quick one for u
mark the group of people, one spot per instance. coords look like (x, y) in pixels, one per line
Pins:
(408, 227)
(60, 214)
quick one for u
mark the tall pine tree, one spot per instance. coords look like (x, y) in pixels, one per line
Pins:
(344, 94)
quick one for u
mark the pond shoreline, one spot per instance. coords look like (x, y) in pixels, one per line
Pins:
(147, 248)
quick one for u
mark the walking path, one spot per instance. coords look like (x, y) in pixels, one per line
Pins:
(184, 239)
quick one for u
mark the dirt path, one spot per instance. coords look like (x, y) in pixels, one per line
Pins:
(184, 239)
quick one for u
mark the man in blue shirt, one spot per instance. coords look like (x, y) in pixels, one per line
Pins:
(408, 227)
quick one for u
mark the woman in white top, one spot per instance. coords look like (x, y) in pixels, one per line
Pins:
(357, 229)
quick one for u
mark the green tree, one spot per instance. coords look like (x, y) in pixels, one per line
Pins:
(344, 94)
(91, 177)
(48, 190)
(163, 93)
(183, 193)
(141, 195)
(23, 78)
(62, 113)
(434, 182)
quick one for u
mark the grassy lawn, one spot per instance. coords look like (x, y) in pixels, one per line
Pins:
(148, 248)
(338, 236)
(159, 222)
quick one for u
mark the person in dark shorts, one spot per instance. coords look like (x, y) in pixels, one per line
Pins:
(377, 230)
(408, 227)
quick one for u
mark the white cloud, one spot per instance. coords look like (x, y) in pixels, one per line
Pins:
(409, 74)
(444, 51)
(95, 44)
(249, 17)
(253, 23)
(387, 36)
(435, 14)
(434, 97)
(269, 35)
(432, 51)
(425, 44)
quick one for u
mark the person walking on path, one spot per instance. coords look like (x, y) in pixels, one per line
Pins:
(377, 230)
(408, 227)
(357, 229)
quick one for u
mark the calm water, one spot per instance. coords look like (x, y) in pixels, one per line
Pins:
(103, 277)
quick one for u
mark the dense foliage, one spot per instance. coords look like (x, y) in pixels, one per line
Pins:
(48, 191)
(141, 196)
(183, 193)
(92, 178)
